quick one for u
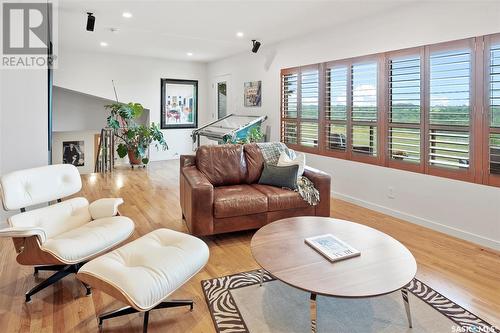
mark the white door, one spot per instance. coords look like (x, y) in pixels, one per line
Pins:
(222, 94)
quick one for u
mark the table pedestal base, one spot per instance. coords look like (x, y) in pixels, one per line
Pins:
(313, 305)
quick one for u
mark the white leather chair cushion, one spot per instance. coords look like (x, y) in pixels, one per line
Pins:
(149, 269)
(105, 207)
(55, 219)
(24, 232)
(34, 186)
(90, 239)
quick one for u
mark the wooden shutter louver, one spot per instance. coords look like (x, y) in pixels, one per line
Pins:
(494, 143)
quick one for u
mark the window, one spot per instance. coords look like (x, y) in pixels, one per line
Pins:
(289, 107)
(300, 107)
(449, 111)
(336, 108)
(405, 109)
(364, 108)
(417, 109)
(493, 116)
(309, 107)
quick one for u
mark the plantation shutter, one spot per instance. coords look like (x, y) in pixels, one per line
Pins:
(289, 107)
(300, 106)
(405, 108)
(364, 108)
(309, 107)
(336, 80)
(449, 110)
(494, 112)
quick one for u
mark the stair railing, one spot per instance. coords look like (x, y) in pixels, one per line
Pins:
(105, 157)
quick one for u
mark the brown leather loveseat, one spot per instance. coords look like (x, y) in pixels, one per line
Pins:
(219, 191)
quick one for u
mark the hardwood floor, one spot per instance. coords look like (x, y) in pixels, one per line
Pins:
(462, 271)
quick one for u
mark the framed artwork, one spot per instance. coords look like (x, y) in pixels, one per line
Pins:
(74, 153)
(253, 93)
(179, 103)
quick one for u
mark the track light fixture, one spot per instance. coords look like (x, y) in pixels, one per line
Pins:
(90, 22)
(256, 45)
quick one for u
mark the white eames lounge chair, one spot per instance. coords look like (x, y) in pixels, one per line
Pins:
(65, 235)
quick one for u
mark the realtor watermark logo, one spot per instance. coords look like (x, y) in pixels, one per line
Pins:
(28, 34)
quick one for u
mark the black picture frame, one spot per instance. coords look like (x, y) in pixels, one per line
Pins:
(165, 124)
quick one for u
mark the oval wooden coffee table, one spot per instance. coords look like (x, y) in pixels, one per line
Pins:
(384, 266)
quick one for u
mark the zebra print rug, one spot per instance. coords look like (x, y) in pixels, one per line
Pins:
(222, 298)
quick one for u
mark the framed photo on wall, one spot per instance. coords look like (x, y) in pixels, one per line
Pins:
(179, 103)
(73, 153)
(253, 93)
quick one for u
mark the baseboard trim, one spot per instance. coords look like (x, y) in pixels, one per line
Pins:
(465, 235)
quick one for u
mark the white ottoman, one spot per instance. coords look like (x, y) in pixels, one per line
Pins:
(144, 272)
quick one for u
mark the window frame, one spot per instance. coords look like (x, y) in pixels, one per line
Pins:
(392, 163)
(488, 179)
(298, 121)
(469, 174)
(358, 157)
(329, 152)
(478, 128)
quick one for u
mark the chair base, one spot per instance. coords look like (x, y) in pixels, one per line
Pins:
(61, 272)
(129, 310)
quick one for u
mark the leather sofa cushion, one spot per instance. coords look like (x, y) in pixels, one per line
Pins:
(238, 200)
(255, 162)
(281, 199)
(222, 164)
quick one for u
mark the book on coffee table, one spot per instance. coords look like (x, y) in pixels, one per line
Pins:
(331, 247)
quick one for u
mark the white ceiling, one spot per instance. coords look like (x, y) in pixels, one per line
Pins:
(170, 29)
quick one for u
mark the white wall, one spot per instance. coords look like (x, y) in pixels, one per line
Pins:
(466, 210)
(24, 126)
(74, 111)
(137, 79)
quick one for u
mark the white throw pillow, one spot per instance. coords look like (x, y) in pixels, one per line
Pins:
(299, 160)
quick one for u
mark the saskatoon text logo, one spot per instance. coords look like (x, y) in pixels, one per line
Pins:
(26, 34)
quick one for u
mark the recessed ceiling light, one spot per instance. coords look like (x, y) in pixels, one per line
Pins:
(239, 34)
(104, 44)
(189, 54)
(127, 14)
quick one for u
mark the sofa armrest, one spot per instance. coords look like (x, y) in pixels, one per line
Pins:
(322, 182)
(106, 207)
(24, 232)
(187, 160)
(197, 198)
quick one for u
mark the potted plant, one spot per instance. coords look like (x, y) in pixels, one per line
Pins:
(135, 138)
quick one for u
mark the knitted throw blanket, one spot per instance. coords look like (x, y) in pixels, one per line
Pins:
(271, 152)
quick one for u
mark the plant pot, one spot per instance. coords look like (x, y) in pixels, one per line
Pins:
(133, 159)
